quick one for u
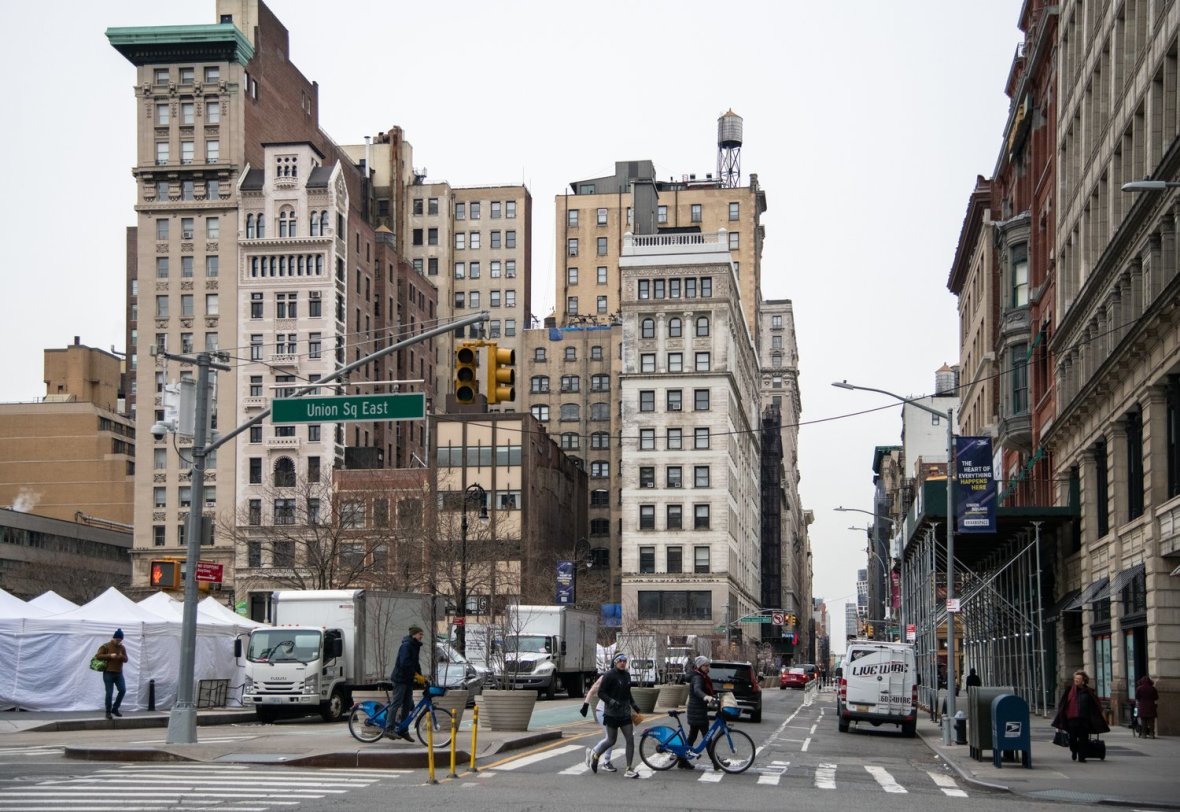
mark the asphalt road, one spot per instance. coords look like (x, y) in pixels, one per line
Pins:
(803, 762)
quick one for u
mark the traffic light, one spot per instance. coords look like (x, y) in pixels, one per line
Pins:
(466, 374)
(501, 375)
(165, 574)
(869, 630)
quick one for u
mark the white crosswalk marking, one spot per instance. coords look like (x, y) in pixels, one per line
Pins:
(883, 777)
(524, 761)
(946, 784)
(179, 786)
(825, 776)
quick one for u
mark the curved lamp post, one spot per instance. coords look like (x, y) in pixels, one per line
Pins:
(948, 415)
(886, 567)
(474, 495)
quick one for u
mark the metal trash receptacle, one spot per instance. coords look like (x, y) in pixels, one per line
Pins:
(979, 717)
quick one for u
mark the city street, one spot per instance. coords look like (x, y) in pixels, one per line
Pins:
(801, 757)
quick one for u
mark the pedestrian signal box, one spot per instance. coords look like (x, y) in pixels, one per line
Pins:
(165, 574)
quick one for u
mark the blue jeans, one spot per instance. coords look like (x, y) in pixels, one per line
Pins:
(400, 706)
(111, 680)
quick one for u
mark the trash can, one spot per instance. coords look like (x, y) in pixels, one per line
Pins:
(960, 727)
(979, 729)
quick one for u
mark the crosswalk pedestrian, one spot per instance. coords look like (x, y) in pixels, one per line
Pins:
(145, 787)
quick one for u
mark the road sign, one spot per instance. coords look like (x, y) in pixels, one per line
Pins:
(755, 619)
(719, 629)
(911, 632)
(777, 618)
(408, 406)
(952, 604)
(209, 572)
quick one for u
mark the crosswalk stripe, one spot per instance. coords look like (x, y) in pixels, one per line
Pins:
(535, 757)
(709, 777)
(825, 776)
(883, 777)
(771, 780)
(946, 784)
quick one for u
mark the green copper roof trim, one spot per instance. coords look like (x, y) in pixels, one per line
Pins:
(166, 43)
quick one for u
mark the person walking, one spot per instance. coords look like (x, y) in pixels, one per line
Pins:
(1079, 713)
(618, 712)
(407, 670)
(1146, 699)
(599, 708)
(700, 696)
(973, 679)
(114, 655)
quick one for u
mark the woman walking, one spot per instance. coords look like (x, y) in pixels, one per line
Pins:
(700, 695)
(618, 707)
(1146, 697)
(592, 698)
(1079, 713)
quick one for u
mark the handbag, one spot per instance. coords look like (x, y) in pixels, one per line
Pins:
(636, 719)
(97, 664)
(1061, 738)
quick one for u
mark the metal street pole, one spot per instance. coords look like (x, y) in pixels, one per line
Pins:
(473, 493)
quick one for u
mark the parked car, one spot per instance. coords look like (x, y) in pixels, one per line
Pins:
(738, 678)
(795, 677)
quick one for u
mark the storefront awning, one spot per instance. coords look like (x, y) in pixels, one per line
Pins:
(1059, 607)
(1125, 577)
(1094, 592)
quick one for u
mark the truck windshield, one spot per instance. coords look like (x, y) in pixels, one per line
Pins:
(283, 645)
(531, 643)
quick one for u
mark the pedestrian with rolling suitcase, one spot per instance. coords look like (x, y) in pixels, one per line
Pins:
(1079, 712)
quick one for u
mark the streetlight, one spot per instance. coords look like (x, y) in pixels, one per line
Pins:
(1150, 185)
(885, 566)
(948, 415)
(474, 495)
(884, 589)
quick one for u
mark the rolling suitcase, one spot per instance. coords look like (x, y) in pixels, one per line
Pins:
(1095, 748)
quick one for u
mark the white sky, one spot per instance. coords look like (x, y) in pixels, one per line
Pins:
(866, 122)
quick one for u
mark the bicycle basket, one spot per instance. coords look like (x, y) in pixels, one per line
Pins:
(668, 736)
(436, 690)
(729, 706)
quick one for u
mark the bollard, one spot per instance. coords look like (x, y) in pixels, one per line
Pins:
(454, 736)
(430, 747)
(960, 727)
(151, 695)
(474, 730)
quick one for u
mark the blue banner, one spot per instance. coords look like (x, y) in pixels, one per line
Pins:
(565, 583)
(975, 486)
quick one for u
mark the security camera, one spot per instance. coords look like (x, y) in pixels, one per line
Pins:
(159, 429)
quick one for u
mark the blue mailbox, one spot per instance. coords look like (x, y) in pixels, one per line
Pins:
(1010, 729)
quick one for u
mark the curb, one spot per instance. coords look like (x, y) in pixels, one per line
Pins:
(962, 773)
(134, 723)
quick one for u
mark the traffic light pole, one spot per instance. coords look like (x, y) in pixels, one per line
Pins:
(182, 721)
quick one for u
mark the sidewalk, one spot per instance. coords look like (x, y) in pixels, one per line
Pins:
(1139, 772)
(254, 745)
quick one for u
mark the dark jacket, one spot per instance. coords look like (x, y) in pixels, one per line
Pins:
(408, 663)
(974, 679)
(1146, 697)
(615, 693)
(700, 689)
(1090, 706)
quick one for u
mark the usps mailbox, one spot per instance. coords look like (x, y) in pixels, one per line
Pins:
(1010, 731)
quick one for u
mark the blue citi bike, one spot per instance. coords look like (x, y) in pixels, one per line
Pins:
(732, 750)
(366, 722)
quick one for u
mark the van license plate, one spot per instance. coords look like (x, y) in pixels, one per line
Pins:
(727, 686)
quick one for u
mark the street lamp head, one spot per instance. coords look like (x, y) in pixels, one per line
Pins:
(1149, 185)
(843, 385)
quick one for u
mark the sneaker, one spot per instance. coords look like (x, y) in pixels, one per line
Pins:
(631, 773)
(108, 714)
(589, 755)
(405, 734)
(683, 764)
(607, 767)
(594, 762)
(116, 713)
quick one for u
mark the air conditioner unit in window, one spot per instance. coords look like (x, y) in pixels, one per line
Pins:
(675, 485)
(647, 484)
(673, 407)
(187, 235)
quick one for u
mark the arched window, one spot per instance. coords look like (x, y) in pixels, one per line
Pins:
(570, 440)
(647, 328)
(539, 383)
(249, 226)
(292, 225)
(702, 326)
(571, 411)
(776, 360)
(284, 473)
(674, 328)
(600, 439)
(600, 411)
(323, 224)
(261, 224)
(600, 470)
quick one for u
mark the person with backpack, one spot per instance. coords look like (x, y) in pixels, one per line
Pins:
(619, 709)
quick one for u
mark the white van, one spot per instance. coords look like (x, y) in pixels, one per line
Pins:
(879, 685)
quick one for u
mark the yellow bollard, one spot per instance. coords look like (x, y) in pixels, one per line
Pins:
(474, 730)
(454, 736)
(430, 747)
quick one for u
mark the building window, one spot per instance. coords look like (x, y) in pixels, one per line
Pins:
(571, 276)
(284, 514)
(571, 411)
(255, 470)
(571, 305)
(647, 476)
(675, 556)
(1134, 423)
(1101, 489)
(510, 209)
(601, 305)
(599, 412)
(599, 383)
(700, 438)
(541, 412)
(596, 353)
(571, 218)
(647, 439)
(647, 555)
(700, 399)
(675, 362)
(735, 210)
(600, 245)
(700, 476)
(702, 326)
(673, 400)
(675, 329)
(695, 212)
(284, 473)
(700, 555)
(661, 214)
(702, 362)
(600, 498)
(734, 241)
(570, 440)
(571, 383)
(1019, 355)
(213, 112)
(674, 476)
(571, 353)
(539, 383)
(647, 328)
(674, 439)
(571, 247)
(675, 517)
(600, 440)
(647, 361)
(600, 274)
(776, 322)
(600, 470)
(1019, 275)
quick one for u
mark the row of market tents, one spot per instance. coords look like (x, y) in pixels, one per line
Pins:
(46, 645)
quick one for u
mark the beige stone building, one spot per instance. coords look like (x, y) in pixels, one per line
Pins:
(71, 455)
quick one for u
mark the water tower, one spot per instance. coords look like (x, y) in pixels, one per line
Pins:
(729, 150)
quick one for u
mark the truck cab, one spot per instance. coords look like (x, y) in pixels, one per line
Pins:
(293, 669)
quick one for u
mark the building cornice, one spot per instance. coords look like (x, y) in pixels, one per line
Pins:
(169, 44)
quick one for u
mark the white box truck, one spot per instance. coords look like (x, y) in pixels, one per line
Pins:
(547, 647)
(647, 653)
(682, 652)
(878, 684)
(325, 644)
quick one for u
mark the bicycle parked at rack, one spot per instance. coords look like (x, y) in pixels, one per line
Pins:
(366, 721)
(732, 750)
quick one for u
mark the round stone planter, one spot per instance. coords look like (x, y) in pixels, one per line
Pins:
(454, 701)
(645, 698)
(672, 696)
(506, 710)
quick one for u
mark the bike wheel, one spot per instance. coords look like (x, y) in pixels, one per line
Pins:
(362, 726)
(733, 751)
(652, 750)
(440, 718)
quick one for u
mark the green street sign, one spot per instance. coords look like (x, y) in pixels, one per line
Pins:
(409, 406)
(719, 629)
(756, 619)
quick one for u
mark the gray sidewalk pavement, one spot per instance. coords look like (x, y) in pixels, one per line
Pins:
(125, 740)
(1136, 772)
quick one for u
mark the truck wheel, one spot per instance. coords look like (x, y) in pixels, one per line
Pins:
(333, 709)
(265, 715)
(551, 689)
(909, 729)
(575, 686)
(843, 726)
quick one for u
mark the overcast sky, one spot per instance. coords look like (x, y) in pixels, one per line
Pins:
(866, 122)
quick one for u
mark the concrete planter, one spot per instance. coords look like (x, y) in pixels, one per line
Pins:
(645, 698)
(672, 696)
(506, 710)
(455, 701)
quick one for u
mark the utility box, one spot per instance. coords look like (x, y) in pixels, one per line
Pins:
(1010, 733)
(979, 715)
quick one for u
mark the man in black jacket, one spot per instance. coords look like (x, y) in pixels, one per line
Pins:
(406, 669)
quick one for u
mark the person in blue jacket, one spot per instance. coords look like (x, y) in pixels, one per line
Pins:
(406, 671)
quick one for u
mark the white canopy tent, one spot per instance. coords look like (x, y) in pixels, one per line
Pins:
(53, 603)
(49, 655)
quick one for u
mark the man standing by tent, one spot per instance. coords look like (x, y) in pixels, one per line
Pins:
(114, 655)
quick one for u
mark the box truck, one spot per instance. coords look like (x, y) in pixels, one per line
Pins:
(647, 653)
(325, 644)
(547, 647)
(682, 651)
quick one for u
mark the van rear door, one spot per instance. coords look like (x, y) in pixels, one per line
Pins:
(865, 671)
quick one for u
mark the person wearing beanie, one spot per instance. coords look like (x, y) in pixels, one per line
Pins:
(700, 695)
(619, 707)
(114, 655)
(406, 669)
